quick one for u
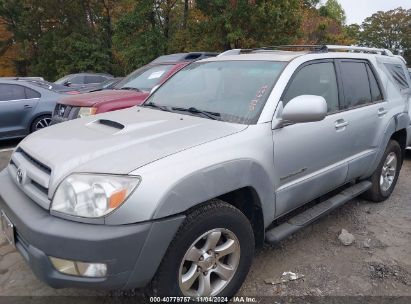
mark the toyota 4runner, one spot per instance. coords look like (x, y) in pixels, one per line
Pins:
(178, 192)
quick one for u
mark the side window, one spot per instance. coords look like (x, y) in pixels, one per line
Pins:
(31, 93)
(93, 79)
(77, 80)
(376, 94)
(11, 92)
(315, 79)
(398, 73)
(356, 85)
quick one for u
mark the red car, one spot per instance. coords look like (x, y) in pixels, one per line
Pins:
(131, 91)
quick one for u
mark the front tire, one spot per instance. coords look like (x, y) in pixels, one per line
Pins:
(210, 255)
(386, 175)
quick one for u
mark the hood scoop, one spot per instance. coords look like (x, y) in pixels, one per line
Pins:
(106, 126)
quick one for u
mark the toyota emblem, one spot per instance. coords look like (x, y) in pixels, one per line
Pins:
(20, 176)
(61, 111)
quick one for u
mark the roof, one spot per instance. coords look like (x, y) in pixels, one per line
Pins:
(289, 52)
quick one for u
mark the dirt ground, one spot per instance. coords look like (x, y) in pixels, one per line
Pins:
(378, 263)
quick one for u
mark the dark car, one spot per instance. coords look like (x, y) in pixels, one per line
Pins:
(131, 91)
(25, 107)
(83, 80)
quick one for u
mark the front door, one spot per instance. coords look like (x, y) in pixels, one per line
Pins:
(311, 159)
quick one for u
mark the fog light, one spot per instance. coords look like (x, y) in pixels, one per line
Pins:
(92, 270)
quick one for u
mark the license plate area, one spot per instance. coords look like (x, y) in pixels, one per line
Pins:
(7, 227)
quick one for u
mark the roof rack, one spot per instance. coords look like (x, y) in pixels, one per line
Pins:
(311, 49)
(359, 49)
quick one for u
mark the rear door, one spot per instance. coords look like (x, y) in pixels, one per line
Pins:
(366, 111)
(17, 104)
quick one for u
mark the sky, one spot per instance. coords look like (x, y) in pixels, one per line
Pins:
(358, 10)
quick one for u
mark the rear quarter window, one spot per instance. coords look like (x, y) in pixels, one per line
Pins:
(398, 74)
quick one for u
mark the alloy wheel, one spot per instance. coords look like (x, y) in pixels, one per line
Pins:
(42, 123)
(210, 263)
(388, 173)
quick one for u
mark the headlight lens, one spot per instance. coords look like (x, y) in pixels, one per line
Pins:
(86, 111)
(92, 196)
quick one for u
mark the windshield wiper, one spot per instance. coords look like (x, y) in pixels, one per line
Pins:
(130, 88)
(156, 106)
(193, 110)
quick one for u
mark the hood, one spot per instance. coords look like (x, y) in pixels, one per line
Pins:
(121, 141)
(95, 98)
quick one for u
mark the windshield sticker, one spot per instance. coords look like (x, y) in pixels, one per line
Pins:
(256, 100)
(155, 75)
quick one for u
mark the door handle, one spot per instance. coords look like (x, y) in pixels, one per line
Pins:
(381, 112)
(340, 124)
(27, 106)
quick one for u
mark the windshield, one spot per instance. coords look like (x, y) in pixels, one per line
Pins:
(233, 91)
(145, 78)
(62, 80)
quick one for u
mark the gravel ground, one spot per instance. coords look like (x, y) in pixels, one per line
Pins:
(378, 263)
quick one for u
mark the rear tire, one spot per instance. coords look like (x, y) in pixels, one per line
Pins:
(214, 244)
(40, 122)
(386, 175)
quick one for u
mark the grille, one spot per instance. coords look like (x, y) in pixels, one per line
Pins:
(66, 112)
(32, 176)
(35, 162)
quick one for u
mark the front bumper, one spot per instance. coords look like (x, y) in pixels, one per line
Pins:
(132, 252)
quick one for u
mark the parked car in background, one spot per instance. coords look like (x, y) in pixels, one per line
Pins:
(54, 86)
(83, 80)
(131, 91)
(25, 107)
(229, 153)
(22, 78)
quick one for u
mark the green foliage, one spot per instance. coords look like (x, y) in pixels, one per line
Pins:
(57, 37)
(333, 9)
(390, 30)
(138, 37)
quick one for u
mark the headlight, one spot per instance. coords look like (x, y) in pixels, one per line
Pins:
(88, 195)
(86, 111)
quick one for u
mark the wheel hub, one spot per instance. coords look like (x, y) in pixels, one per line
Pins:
(207, 261)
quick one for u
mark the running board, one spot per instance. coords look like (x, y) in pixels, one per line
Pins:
(278, 233)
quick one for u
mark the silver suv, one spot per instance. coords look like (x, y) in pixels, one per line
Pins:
(179, 192)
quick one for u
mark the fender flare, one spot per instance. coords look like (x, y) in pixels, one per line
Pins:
(214, 181)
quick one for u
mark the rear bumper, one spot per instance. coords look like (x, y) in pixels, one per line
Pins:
(132, 252)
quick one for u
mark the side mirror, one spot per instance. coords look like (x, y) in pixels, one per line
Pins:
(67, 83)
(305, 108)
(154, 89)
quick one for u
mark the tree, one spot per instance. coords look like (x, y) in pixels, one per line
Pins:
(390, 30)
(332, 9)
